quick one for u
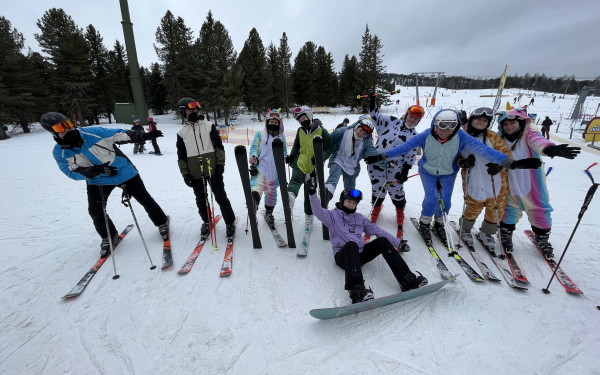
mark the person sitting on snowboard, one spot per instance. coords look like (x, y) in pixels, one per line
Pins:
(91, 155)
(527, 189)
(442, 144)
(263, 171)
(350, 252)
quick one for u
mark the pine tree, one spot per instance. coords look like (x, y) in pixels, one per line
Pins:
(101, 87)
(118, 71)
(256, 80)
(157, 94)
(371, 63)
(275, 96)
(325, 79)
(303, 74)
(285, 70)
(349, 82)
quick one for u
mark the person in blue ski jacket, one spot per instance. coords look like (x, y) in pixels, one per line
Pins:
(350, 252)
(351, 144)
(92, 155)
(442, 143)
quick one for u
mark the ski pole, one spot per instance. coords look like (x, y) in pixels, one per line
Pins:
(445, 219)
(467, 177)
(212, 203)
(103, 199)
(584, 207)
(204, 188)
(381, 92)
(496, 212)
(127, 203)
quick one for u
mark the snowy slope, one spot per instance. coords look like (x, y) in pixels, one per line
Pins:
(256, 321)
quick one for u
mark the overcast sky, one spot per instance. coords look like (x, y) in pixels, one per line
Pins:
(466, 37)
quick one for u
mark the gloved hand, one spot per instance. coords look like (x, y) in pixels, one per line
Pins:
(220, 169)
(289, 159)
(312, 160)
(564, 151)
(152, 135)
(528, 163)
(402, 176)
(253, 170)
(188, 180)
(468, 162)
(493, 168)
(310, 184)
(375, 158)
(372, 103)
(95, 170)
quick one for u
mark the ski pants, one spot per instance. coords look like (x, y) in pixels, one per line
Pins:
(139, 147)
(536, 206)
(381, 183)
(137, 190)
(474, 207)
(431, 204)
(350, 260)
(155, 146)
(215, 183)
(335, 172)
(296, 181)
(259, 184)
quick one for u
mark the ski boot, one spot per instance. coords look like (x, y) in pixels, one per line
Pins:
(400, 221)
(163, 229)
(361, 294)
(105, 245)
(506, 240)
(544, 245)
(230, 231)
(440, 231)
(412, 281)
(487, 240)
(374, 215)
(205, 230)
(269, 218)
(425, 230)
(404, 247)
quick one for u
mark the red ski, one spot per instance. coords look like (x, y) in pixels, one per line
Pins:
(189, 263)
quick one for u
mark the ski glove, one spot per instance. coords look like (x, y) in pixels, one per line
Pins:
(468, 162)
(372, 104)
(95, 170)
(310, 184)
(220, 169)
(289, 159)
(563, 151)
(402, 177)
(188, 180)
(152, 135)
(528, 163)
(253, 170)
(493, 168)
(375, 158)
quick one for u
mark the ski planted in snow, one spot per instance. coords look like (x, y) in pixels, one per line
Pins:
(319, 165)
(167, 255)
(503, 266)
(485, 270)
(189, 263)
(473, 275)
(88, 276)
(336, 312)
(242, 161)
(440, 264)
(303, 250)
(278, 156)
(563, 278)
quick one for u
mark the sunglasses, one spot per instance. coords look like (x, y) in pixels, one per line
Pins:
(416, 111)
(63, 126)
(483, 111)
(447, 125)
(193, 105)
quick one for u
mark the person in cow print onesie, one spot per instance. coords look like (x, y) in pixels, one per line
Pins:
(389, 176)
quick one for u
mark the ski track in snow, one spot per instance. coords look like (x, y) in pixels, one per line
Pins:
(256, 321)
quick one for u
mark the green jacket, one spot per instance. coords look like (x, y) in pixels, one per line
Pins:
(303, 151)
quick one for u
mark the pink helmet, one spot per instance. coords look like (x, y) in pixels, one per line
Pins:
(150, 119)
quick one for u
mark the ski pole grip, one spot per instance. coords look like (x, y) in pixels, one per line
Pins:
(588, 199)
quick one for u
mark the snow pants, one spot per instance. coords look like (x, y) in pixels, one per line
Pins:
(259, 184)
(350, 260)
(381, 178)
(537, 207)
(215, 183)
(431, 204)
(137, 190)
(335, 172)
(296, 181)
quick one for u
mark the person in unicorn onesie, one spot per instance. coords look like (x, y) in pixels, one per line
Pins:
(527, 189)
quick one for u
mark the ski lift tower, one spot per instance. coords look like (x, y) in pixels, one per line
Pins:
(437, 82)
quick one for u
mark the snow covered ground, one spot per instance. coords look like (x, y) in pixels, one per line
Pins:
(256, 321)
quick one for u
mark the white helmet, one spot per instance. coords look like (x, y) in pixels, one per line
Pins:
(446, 119)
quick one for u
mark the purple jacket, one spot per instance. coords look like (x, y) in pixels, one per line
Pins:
(344, 227)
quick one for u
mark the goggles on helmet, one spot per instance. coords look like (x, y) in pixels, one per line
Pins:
(366, 128)
(273, 113)
(447, 124)
(483, 111)
(192, 105)
(416, 111)
(354, 193)
(297, 111)
(63, 126)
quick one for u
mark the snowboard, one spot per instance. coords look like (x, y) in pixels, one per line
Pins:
(336, 312)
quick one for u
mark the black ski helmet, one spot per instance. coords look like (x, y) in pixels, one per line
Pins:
(353, 195)
(183, 104)
(49, 119)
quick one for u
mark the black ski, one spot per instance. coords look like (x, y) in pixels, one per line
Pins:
(167, 254)
(85, 280)
(485, 270)
(242, 161)
(283, 190)
(319, 165)
(440, 264)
